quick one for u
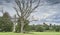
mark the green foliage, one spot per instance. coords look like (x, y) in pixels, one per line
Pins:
(39, 29)
(57, 29)
(18, 27)
(46, 27)
(26, 26)
(5, 23)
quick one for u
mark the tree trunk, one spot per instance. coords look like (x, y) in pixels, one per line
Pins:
(14, 27)
(22, 26)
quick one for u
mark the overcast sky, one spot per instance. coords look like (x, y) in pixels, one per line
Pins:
(49, 11)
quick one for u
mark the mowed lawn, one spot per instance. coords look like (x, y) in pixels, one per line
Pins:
(32, 33)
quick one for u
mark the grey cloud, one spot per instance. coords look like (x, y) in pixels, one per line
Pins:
(54, 18)
(53, 1)
(48, 6)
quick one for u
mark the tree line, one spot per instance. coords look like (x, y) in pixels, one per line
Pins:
(45, 28)
(6, 25)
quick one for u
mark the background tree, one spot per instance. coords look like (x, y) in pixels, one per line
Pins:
(25, 8)
(40, 29)
(1, 23)
(46, 27)
(6, 23)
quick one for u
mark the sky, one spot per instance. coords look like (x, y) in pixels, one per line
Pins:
(48, 11)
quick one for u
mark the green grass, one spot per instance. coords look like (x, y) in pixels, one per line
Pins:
(34, 33)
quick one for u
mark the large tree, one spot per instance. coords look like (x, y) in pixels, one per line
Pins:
(26, 7)
(18, 26)
(5, 23)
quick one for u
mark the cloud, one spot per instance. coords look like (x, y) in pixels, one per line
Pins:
(53, 1)
(49, 11)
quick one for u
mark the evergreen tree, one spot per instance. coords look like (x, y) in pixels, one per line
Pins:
(6, 23)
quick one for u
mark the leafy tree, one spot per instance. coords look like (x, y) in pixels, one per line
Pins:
(6, 23)
(46, 27)
(1, 23)
(57, 29)
(39, 29)
(33, 27)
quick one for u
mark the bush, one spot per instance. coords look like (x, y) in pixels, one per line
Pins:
(57, 29)
(17, 29)
(39, 29)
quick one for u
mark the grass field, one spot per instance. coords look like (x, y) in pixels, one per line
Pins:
(34, 33)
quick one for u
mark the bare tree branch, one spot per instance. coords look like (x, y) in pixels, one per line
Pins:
(19, 4)
(16, 11)
(26, 9)
(23, 3)
(30, 3)
(30, 10)
(27, 4)
(36, 5)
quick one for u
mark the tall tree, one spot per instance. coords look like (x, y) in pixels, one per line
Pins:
(1, 22)
(7, 23)
(25, 8)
